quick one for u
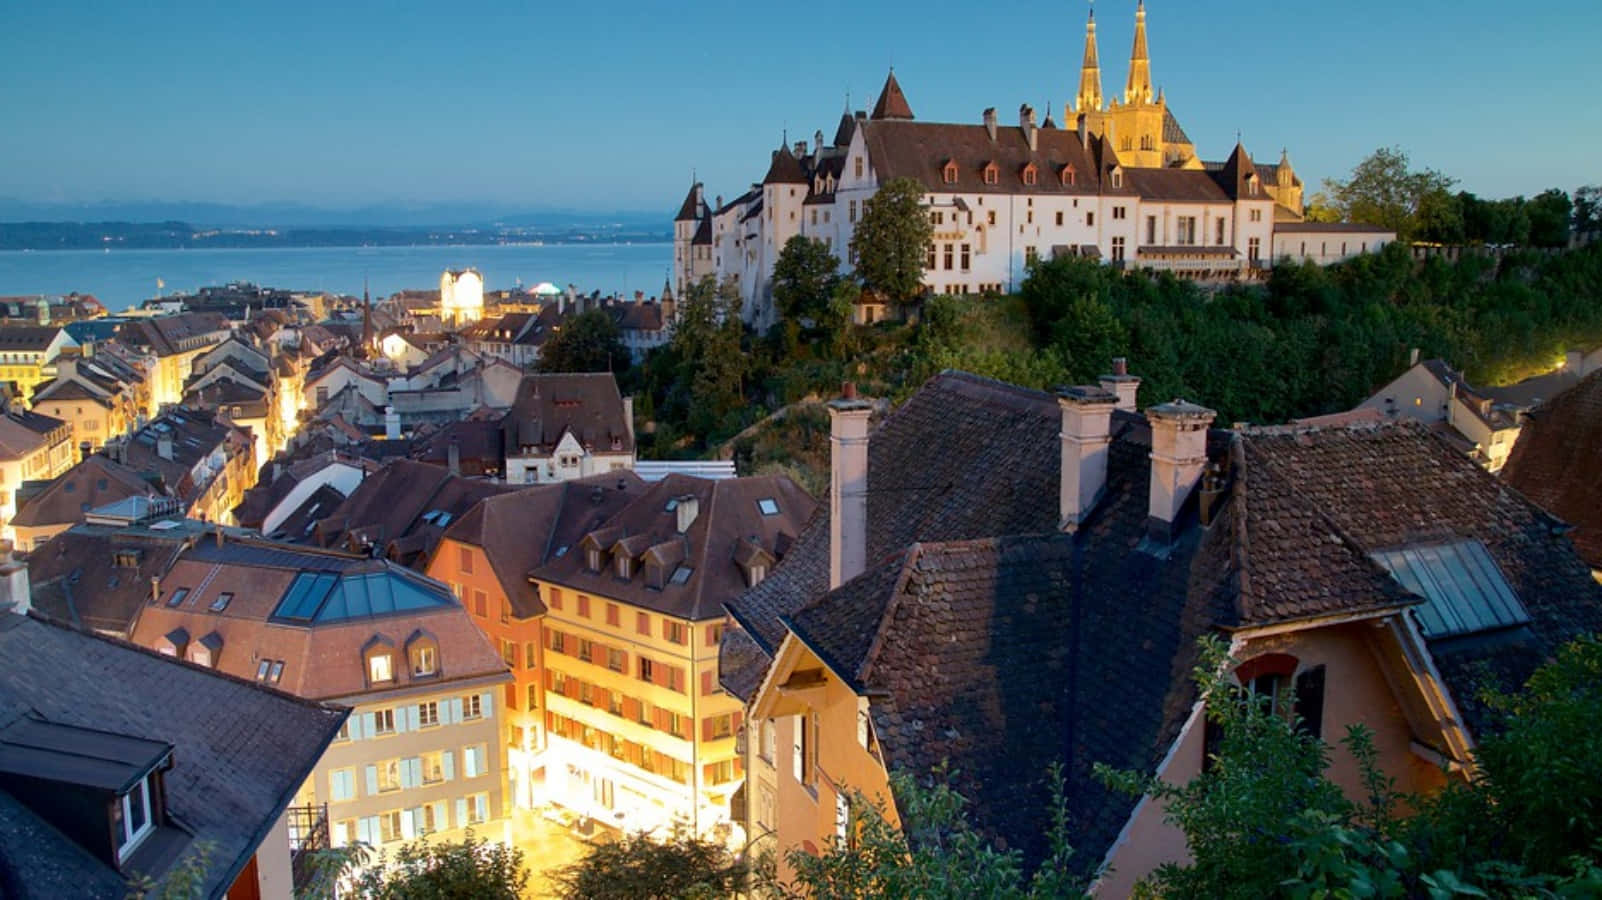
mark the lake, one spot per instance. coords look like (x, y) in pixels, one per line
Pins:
(123, 278)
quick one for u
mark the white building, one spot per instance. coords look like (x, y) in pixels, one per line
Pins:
(1002, 194)
(461, 296)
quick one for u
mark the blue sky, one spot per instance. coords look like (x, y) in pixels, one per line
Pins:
(610, 105)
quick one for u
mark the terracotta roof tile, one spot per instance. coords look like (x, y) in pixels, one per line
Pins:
(1557, 462)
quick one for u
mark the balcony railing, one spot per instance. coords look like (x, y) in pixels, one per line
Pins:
(308, 833)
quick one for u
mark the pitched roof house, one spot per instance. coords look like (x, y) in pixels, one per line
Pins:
(1033, 593)
(116, 761)
(567, 425)
(1557, 460)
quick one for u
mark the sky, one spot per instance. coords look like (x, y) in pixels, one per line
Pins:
(610, 105)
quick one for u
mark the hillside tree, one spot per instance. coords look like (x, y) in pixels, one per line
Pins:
(1383, 191)
(891, 242)
(804, 279)
(588, 342)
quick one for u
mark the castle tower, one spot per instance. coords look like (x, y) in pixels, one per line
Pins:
(1089, 96)
(1138, 88)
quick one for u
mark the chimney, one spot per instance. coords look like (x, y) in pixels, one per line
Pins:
(1086, 432)
(219, 530)
(848, 486)
(392, 425)
(699, 200)
(453, 456)
(1026, 122)
(1120, 382)
(800, 149)
(1082, 135)
(990, 121)
(1412, 358)
(687, 509)
(18, 597)
(628, 416)
(1178, 456)
(164, 446)
(84, 449)
(817, 139)
(155, 589)
(719, 201)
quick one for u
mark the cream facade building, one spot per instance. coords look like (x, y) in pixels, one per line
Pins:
(461, 297)
(1118, 181)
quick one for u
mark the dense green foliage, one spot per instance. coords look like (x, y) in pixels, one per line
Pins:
(891, 240)
(1265, 821)
(446, 870)
(589, 342)
(1310, 340)
(1419, 206)
(804, 279)
(639, 868)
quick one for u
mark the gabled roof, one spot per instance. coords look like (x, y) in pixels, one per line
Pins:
(549, 405)
(892, 102)
(240, 751)
(921, 150)
(405, 499)
(94, 482)
(1557, 462)
(727, 514)
(27, 338)
(520, 531)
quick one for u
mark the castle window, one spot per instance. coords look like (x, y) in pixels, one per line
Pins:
(858, 165)
(1059, 218)
(1090, 219)
(992, 174)
(990, 217)
(949, 174)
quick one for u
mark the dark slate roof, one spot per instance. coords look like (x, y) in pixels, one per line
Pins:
(1003, 654)
(27, 338)
(892, 101)
(1386, 486)
(692, 208)
(548, 405)
(391, 510)
(241, 751)
(1172, 132)
(1557, 462)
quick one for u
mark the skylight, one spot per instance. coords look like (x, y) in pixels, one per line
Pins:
(768, 506)
(222, 601)
(681, 575)
(1464, 590)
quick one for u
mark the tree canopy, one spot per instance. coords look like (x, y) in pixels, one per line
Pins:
(804, 279)
(588, 342)
(640, 868)
(891, 241)
(1383, 191)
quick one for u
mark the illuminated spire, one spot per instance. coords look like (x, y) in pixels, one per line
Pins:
(1138, 90)
(1089, 98)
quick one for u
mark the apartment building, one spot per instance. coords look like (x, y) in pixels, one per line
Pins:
(33, 447)
(420, 751)
(174, 341)
(25, 350)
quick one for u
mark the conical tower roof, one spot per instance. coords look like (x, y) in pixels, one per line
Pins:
(1089, 96)
(1138, 88)
(691, 209)
(786, 169)
(892, 102)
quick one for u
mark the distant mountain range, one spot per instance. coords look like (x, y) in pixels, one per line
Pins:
(294, 215)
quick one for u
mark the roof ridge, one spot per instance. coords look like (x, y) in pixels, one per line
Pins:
(124, 643)
(704, 551)
(914, 553)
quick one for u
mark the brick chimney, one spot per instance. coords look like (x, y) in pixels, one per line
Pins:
(1122, 383)
(1178, 457)
(1086, 432)
(848, 486)
(687, 509)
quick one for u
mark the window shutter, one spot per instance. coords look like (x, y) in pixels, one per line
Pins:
(461, 812)
(706, 730)
(401, 723)
(735, 720)
(706, 682)
(456, 709)
(603, 698)
(631, 709)
(448, 763)
(1309, 706)
(406, 774)
(797, 723)
(353, 726)
(372, 780)
(364, 830)
(488, 700)
(408, 826)
(369, 724)
(550, 680)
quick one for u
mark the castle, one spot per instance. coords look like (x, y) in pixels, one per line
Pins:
(1119, 182)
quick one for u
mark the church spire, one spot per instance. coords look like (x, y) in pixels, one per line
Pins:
(1138, 89)
(1089, 98)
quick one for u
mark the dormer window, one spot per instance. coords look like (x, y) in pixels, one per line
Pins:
(1251, 186)
(625, 566)
(1068, 175)
(992, 174)
(221, 602)
(131, 821)
(949, 173)
(1118, 178)
(594, 559)
(425, 661)
(755, 574)
(378, 660)
(1029, 174)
